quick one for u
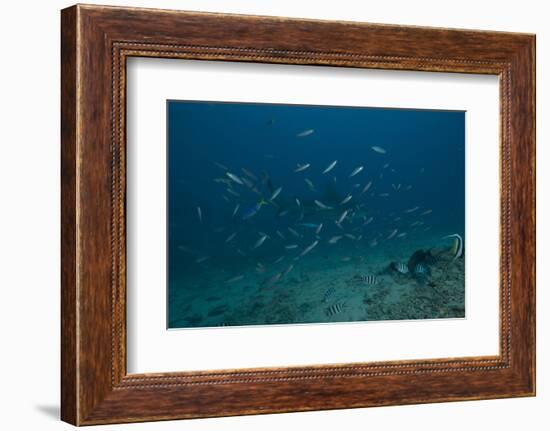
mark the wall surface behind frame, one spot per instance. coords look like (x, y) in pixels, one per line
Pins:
(29, 216)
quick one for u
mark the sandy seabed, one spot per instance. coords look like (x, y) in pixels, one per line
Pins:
(328, 285)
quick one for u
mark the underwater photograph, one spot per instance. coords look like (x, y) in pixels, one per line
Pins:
(304, 214)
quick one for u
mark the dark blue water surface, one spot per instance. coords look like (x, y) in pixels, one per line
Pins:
(418, 185)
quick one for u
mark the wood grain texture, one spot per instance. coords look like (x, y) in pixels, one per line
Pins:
(96, 41)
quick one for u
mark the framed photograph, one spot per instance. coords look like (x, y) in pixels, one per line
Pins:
(264, 215)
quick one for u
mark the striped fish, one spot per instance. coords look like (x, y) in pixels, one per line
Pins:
(369, 279)
(458, 246)
(401, 268)
(335, 309)
(328, 294)
(420, 269)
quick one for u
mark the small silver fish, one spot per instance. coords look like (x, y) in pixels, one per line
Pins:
(378, 150)
(275, 193)
(374, 243)
(319, 228)
(411, 210)
(342, 217)
(330, 167)
(335, 239)
(235, 279)
(199, 214)
(301, 168)
(219, 165)
(234, 178)
(426, 212)
(250, 174)
(280, 235)
(322, 205)
(369, 220)
(236, 210)
(350, 236)
(247, 182)
(280, 259)
(293, 232)
(346, 200)
(298, 202)
(384, 195)
(291, 246)
(202, 259)
(309, 248)
(356, 171)
(230, 237)
(260, 241)
(305, 133)
(310, 184)
(367, 187)
(391, 235)
(401, 235)
(287, 271)
(233, 192)
(272, 280)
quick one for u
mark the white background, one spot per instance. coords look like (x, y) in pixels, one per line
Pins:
(151, 348)
(29, 216)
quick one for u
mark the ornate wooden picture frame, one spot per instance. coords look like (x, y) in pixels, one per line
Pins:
(96, 41)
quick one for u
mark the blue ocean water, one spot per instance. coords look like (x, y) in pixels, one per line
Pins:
(288, 214)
